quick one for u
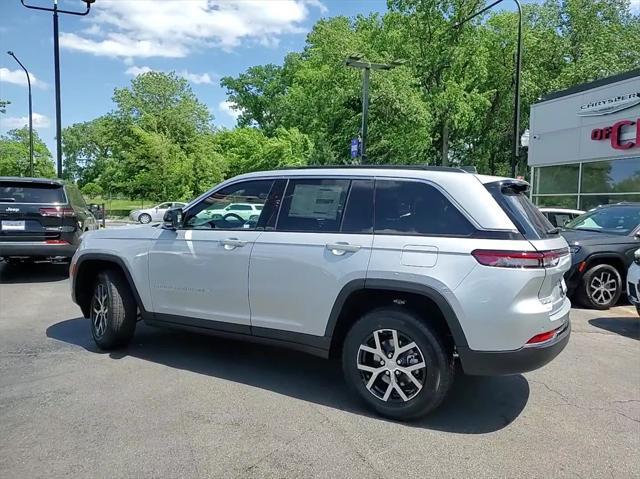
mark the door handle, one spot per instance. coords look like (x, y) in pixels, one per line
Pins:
(341, 248)
(232, 243)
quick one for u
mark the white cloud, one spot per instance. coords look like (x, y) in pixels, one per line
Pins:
(39, 121)
(635, 6)
(135, 71)
(202, 78)
(173, 28)
(197, 78)
(230, 108)
(18, 77)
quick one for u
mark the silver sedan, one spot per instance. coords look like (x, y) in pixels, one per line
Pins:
(155, 213)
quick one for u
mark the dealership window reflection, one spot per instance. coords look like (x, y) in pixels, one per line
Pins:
(588, 184)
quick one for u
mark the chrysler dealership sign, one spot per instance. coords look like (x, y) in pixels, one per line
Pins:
(609, 105)
(622, 134)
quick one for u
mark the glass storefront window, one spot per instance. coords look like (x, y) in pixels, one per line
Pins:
(611, 176)
(570, 202)
(591, 201)
(556, 179)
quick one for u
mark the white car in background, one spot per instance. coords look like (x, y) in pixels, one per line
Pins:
(243, 211)
(559, 217)
(633, 281)
(155, 213)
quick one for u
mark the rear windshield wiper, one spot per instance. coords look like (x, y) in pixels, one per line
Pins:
(8, 200)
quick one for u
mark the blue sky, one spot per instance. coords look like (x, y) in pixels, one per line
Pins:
(118, 38)
(202, 40)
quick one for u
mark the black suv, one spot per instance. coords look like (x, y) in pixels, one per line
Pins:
(41, 219)
(602, 243)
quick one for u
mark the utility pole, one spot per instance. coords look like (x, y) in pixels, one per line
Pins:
(56, 61)
(30, 113)
(358, 61)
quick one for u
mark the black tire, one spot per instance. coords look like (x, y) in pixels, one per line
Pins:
(436, 378)
(145, 218)
(594, 299)
(115, 328)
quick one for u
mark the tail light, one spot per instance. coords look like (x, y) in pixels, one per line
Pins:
(58, 212)
(548, 336)
(519, 259)
(56, 241)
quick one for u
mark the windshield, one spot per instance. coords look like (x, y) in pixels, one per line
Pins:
(620, 220)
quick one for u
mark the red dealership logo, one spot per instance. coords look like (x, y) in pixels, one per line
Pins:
(614, 133)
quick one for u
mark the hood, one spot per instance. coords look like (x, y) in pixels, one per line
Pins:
(124, 232)
(586, 238)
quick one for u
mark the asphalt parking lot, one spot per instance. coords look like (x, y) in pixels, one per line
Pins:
(180, 405)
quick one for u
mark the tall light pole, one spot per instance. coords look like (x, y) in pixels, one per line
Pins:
(30, 113)
(516, 107)
(56, 61)
(358, 61)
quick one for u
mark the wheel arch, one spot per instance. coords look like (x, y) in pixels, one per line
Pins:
(86, 269)
(359, 296)
(611, 258)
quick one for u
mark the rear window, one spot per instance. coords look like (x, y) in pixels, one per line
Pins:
(17, 192)
(525, 215)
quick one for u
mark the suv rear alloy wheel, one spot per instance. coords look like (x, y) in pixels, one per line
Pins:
(397, 363)
(601, 287)
(113, 311)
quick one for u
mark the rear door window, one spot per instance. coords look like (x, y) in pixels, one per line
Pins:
(529, 220)
(358, 217)
(313, 205)
(37, 193)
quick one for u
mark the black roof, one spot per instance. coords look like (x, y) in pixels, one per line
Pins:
(378, 167)
(24, 179)
(592, 84)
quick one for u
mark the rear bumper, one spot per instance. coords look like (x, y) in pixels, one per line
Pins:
(36, 249)
(497, 363)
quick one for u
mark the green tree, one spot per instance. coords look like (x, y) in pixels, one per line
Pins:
(14, 155)
(92, 190)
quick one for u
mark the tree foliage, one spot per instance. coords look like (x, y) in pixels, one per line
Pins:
(451, 102)
(159, 143)
(14, 155)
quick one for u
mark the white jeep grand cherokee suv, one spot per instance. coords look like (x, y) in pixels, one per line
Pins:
(398, 271)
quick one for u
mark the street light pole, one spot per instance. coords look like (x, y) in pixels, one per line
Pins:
(358, 61)
(365, 113)
(518, 67)
(56, 61)
(30, 113)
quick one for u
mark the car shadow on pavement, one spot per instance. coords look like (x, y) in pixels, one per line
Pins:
(476, 405)
(33, 272)
(627, 327)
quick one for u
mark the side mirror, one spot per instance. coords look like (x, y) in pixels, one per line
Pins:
(172, 219)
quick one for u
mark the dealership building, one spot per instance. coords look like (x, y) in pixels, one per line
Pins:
(584, 144)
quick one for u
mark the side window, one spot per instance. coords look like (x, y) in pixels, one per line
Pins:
(212, 212)
(75, 197)
(411, 207)
(313, 205)
(358, 216)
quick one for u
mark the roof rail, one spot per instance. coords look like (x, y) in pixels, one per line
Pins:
(377, 167)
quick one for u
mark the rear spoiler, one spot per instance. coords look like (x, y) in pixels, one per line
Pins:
(519, 186)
